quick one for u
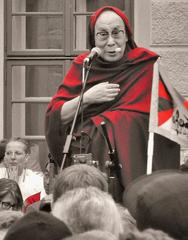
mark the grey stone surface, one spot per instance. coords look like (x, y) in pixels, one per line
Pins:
(176, 64)
(169, 22)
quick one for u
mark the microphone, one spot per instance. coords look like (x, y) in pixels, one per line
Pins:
(117, 50)
(95, 52)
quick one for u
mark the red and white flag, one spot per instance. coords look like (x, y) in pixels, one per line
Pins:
(169, 110)
(168, 113)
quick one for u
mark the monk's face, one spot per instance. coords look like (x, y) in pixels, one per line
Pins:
(110, 36)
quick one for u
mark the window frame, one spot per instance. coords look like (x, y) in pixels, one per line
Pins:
(9, 101)
(34, 52)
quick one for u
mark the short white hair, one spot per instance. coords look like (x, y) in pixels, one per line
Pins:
(85, 209)
(93, 235)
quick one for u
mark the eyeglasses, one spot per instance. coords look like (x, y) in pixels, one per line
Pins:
(7, 206)
(103, 35)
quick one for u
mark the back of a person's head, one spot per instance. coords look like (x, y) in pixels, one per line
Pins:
(93, 235)
(148, 234)
(38, 225)
(159, 201)
(84, 209)
(79, 176)
(128, 222)
(7, 219)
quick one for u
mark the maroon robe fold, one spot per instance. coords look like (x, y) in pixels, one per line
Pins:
(126, 117)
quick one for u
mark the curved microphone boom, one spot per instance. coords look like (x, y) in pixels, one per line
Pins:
(118, 50)
(95, 52)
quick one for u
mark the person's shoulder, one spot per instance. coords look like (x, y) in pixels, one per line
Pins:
(3, 172)
(2, 168)
(80, 58)
(141, 54)
(31, 173)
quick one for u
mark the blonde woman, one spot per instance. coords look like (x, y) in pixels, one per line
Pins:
(17, 153)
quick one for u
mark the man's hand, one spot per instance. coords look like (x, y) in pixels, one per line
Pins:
(102, 92)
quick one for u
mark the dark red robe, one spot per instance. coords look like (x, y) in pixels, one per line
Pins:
(126, 117)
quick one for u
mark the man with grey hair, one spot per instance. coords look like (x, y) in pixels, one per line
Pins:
(84, 209)
(79, 176)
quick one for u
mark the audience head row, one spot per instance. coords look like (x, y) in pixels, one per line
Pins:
(81, 201)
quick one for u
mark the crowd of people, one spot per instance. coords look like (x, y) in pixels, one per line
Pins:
(76, 202)
(80, 206)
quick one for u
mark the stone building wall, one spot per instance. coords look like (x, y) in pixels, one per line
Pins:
(169, 35)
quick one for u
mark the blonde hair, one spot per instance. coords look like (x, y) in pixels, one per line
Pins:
(22, 140)
(84, 209)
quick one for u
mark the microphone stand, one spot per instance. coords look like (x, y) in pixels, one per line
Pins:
(51, 173)
(114, 169)
(86, 65)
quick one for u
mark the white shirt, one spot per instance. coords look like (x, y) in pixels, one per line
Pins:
(30, 182)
